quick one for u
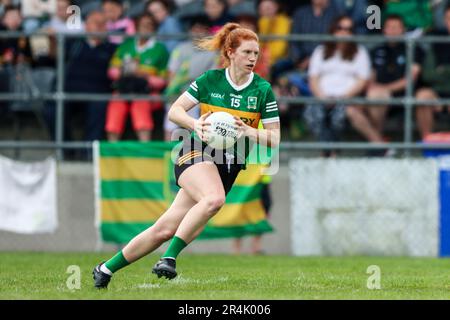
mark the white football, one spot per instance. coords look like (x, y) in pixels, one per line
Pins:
(223, 132)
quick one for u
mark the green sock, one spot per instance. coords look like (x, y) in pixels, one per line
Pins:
(117, 262)
(175, 247)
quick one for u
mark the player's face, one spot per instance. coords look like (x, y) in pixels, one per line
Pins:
(246, 55)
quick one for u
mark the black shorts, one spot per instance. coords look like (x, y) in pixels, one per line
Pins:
(196, 152)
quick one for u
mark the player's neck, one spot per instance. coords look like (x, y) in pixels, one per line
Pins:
(237, 76)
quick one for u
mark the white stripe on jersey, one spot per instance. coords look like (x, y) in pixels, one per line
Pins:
(194, 84)
(272, 108)
(191, 97)
(194, 88)
(273, 102)
(271, 120)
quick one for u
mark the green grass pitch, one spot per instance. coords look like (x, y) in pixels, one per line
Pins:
(43, 276)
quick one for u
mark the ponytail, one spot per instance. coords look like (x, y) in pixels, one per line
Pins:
(229, 36)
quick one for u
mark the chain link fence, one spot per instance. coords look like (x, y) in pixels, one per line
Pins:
(365, 206)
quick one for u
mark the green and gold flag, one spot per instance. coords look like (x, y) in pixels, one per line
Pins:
(135, 184)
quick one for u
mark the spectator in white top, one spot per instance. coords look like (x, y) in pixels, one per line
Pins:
(339, 70)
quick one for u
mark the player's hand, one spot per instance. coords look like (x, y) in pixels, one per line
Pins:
(241, 126)
(201, 126)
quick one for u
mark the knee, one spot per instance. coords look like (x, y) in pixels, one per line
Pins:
(214, 202)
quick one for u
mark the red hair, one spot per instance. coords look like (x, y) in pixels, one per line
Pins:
(230, 36)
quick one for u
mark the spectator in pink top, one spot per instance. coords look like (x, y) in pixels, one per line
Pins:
(113, 9)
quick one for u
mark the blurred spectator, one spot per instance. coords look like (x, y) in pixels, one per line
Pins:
(237, 7)
(262, 66)
(339, 70)
(8, 3)
(416, 14)
(217, 12)
(114, 11)
(138, 66)
(438, 7)
(231, 3)
(311, 19)
(86, 67)
(355, 9)
(168, 24)
(187, 63)
(35, 12)
(44, 47)
(273, 22)
(389, 66)
(59, 21)
(13, 50)
(436, 75)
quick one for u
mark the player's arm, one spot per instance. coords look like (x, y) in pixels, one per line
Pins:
(178, 114)
(269, 136)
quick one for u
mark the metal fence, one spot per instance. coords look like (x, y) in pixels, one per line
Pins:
(408, 102)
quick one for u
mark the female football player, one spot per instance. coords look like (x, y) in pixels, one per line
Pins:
(203, 174)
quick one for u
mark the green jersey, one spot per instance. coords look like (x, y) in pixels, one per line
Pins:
(152, 57)
(252, 101)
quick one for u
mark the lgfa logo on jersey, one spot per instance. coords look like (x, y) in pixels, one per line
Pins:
(217, 95)
(251, 102)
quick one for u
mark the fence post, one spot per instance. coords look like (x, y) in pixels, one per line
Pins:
(408, 118)
(60, 94)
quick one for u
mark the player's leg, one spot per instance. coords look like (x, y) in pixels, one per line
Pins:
(147, 241)
(425, 114)
(163, 230)
(203, 183)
